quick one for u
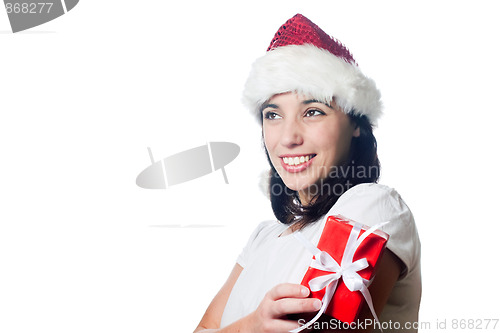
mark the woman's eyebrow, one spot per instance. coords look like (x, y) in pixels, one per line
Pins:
(310, 101)
(274, 106)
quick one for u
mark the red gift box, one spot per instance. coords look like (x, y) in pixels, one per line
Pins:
(346, 305)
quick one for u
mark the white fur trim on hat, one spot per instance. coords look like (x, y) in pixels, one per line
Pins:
(313, 72)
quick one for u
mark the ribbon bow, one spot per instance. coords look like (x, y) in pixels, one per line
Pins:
(347, 270)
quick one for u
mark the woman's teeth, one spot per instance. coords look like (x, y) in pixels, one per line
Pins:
(297, 159)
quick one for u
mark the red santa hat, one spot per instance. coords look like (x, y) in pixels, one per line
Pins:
(302, 58)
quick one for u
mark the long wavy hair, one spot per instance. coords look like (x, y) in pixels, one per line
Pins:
(362, 166)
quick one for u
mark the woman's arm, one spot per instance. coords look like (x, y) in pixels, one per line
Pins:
(291, 299)
(283, 299)
(211, 319)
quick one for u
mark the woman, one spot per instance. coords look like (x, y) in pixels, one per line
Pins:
(317, 111)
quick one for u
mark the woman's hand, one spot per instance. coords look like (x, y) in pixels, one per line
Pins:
(271, 314)
(283, 299)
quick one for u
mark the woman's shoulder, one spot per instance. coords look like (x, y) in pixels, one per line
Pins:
(371, 189)
(267, 225)
(263, 233)
(371, 202)
(372, 194)
(266, 229)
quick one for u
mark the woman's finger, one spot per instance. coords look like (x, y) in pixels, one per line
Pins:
(286, 306)
(286, 290)
(284, 325)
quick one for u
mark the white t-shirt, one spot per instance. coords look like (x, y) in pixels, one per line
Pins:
(269, 259)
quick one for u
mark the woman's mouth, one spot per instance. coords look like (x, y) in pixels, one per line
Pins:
(296, 163)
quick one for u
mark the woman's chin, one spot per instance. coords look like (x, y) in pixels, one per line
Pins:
(299, 186)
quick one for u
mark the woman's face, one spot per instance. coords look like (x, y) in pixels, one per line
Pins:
(305, 139)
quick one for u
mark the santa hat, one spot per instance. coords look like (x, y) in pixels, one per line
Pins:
(302, 58)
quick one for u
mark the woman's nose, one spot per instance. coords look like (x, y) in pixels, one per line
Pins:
(291, 134)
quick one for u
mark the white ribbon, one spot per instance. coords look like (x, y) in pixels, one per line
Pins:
(347, 270)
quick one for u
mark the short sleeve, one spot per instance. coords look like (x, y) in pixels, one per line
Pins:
(403, 241)
(374, 203)
(244, 256)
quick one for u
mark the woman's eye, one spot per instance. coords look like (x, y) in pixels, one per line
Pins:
(271, 115)
(313, 112)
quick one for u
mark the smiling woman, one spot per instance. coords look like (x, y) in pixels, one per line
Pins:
(298, 129)
(344, 142)
(306, 141)
(317, 110)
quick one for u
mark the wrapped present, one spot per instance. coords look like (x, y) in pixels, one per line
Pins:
(343, 267)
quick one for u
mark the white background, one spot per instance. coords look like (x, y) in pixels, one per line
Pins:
(83, 249)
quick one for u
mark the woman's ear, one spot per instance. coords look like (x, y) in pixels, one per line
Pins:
(357, 132)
